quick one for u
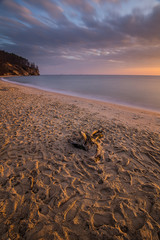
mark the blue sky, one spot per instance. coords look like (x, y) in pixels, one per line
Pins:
(84, 36)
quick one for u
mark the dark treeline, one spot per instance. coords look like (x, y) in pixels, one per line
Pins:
(15, 60)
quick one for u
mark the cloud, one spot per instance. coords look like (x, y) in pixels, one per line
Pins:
(69, 30)
(110, 1)
(18, 12)
(140, 26)
(82, 6)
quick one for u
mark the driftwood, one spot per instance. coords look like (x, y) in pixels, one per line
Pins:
(86, 141)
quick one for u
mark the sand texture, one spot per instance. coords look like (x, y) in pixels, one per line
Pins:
(60, 179)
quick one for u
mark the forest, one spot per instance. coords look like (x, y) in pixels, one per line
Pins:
(12, 64)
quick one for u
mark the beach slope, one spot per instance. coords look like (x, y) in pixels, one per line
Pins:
(72, 168)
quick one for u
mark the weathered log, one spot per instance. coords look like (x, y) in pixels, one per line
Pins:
(87, 140)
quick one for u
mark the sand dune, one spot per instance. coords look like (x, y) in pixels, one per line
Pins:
(51, 189)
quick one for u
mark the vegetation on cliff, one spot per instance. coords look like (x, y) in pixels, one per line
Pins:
(12, 64)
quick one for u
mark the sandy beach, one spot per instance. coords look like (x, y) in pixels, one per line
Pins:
(77, 169)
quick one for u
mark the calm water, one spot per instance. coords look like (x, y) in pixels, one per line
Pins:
(136, 91)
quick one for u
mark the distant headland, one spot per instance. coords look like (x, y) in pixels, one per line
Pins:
(12, 64)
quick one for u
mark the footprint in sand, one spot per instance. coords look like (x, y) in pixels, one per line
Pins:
(3, 181)
(45, 179)
(9, 207)
(22, 186)
(107, 193)
(71, 211)
(70, 191)
(103, 219)
(43, 209)
(149, 188)
(137, 220)
(155, 212)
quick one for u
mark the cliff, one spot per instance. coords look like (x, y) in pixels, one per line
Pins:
(12, 64)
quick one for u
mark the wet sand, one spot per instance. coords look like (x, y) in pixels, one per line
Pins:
(55, 184)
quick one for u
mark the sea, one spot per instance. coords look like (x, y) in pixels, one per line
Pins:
(134, 91)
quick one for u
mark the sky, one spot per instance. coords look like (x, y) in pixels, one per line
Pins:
(84, 36)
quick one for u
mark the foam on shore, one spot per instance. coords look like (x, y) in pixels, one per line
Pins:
(49, 189)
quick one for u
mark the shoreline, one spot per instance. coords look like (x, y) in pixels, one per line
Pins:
(130, 115)
(123, 105)
(114, 103)
(54, 184)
